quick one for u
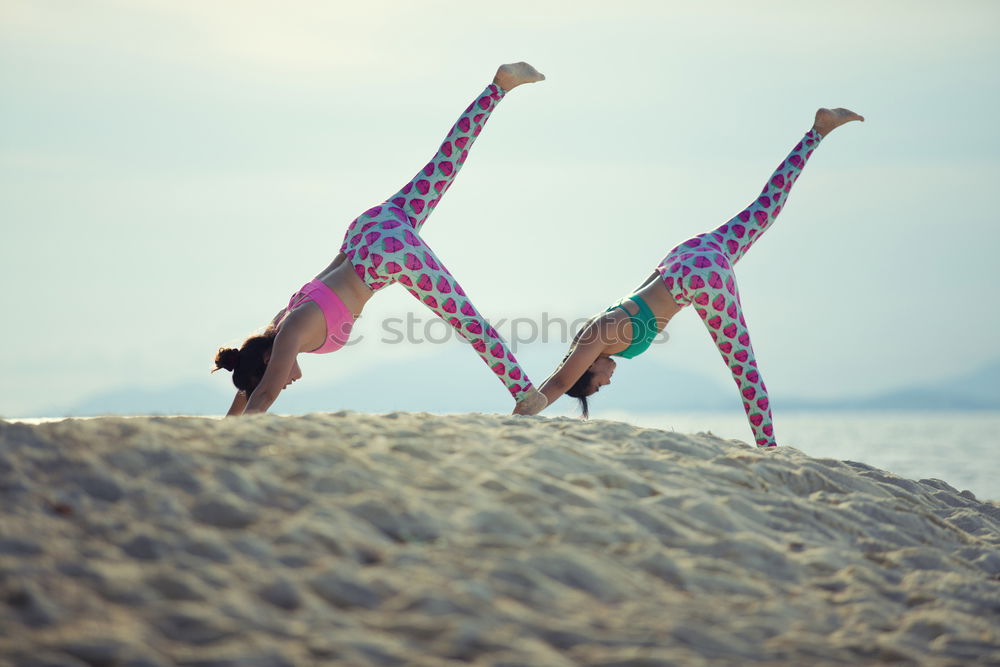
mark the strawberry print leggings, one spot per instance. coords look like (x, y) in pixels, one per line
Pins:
(700, 272)
(385, 246)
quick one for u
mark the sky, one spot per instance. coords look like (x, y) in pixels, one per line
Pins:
(172, 170)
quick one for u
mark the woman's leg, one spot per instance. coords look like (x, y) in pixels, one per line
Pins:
(411, 205)
(715, 297)
(726, 244)
(419, 197)
(416, 267)
(736, 236)
(699, 272)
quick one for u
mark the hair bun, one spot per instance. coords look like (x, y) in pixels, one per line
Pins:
(228, 358)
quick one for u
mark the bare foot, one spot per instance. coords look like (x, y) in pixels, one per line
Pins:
(531, 403)
(513, 75)
(828, 120)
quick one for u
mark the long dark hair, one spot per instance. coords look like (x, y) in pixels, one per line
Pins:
(581, 390)
(247, 363)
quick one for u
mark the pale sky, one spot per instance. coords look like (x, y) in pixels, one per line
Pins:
(172, 170)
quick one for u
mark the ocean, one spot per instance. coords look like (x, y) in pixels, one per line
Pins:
(960, 448)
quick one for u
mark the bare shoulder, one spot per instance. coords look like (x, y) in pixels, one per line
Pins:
(596, 330)
(606, 332)
(303, 328)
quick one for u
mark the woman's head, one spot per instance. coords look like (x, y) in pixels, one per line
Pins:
(248, 363)
(596, 376)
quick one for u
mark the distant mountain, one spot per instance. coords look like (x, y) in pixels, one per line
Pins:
(978, 390)
(982, 384)
(188, 398)
(455, 381)
(451, 381)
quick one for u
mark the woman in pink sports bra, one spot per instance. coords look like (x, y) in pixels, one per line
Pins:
(383, 246)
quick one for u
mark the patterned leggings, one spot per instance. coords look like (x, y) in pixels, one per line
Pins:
(384, 246)
(699, 271)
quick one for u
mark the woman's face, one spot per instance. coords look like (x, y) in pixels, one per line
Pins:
(294, 374)
(602, 368)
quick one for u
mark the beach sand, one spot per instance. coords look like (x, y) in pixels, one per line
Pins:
(415, 539)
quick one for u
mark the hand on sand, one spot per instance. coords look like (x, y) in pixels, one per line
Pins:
(531, 403)
(828, 120)
(514, 74)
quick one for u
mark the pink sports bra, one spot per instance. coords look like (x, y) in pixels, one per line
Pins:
(339, 318)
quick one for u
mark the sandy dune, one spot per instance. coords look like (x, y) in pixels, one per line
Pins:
(415, 539)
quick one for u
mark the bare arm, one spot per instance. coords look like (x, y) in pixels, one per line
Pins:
(588, 346)
(241, 399)
(581, 356)
(239, 404)
(279, 367)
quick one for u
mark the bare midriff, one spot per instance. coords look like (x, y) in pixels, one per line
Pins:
(340, 277)
(658, 298)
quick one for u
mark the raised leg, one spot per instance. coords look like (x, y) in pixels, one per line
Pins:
(419, 197)
(737, 235)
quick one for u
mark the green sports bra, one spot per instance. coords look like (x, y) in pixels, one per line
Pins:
(643, 328)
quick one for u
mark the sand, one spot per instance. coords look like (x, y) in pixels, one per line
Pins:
(414, 539)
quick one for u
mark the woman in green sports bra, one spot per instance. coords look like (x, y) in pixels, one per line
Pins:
(697, 273)
(625, 330)
(644, 326)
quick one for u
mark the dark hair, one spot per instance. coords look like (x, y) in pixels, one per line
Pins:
(247, 363)
(581, 390)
